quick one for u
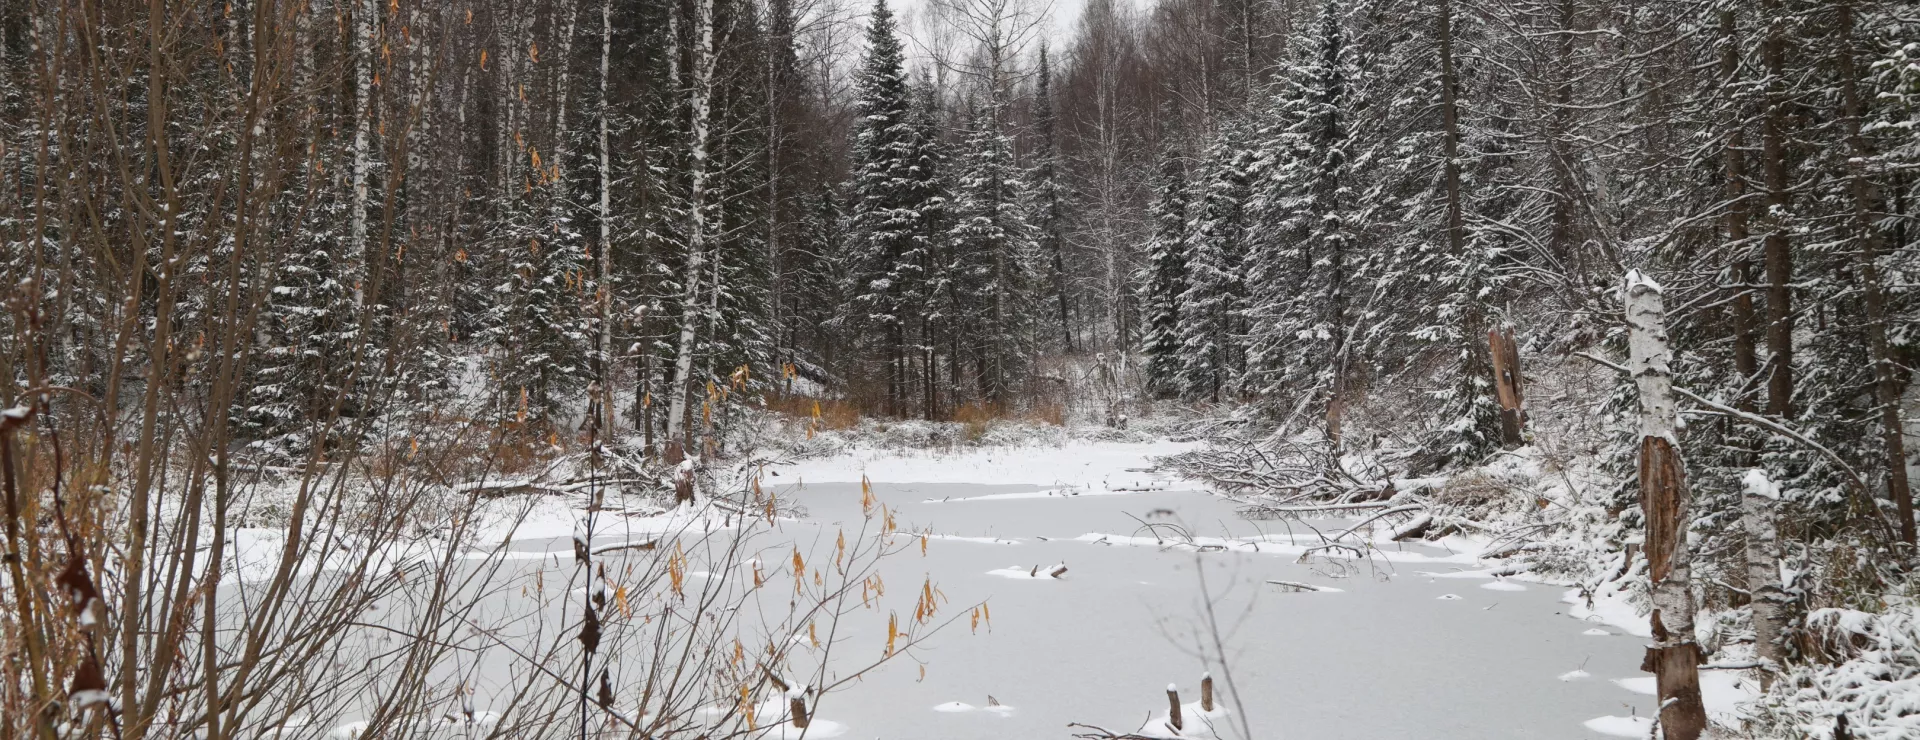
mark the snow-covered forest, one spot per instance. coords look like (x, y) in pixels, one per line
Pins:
(563, 368)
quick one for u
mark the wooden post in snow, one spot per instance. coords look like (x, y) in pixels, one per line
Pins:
(1173, 709)
(797, 706)
(1507, 385)
(1206, 692)
(1674, 658)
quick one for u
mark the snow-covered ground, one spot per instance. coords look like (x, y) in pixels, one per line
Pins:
(1415, 643)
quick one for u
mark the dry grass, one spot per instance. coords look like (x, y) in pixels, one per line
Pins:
(829, 414)
(515, 450)
(975, 417)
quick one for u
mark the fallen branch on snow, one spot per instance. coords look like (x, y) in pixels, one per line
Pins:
(1298, 586)
(629, 545)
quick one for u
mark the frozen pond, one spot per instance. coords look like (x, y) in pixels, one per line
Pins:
(1389, 655)
(1405, 644)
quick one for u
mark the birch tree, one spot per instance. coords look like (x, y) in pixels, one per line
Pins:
(1674, 657)
(698, 228)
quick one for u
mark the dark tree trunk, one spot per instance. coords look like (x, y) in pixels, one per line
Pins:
(1779, 250)
(1867, 246)
(1746, 362)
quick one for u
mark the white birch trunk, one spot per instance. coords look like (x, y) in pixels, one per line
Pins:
(606, 216)
(1648, 353)
(510, 141)
(563, 87)
(362, 142)
(775, 135)
(418, 60)
(702, 104)
(1674, 657)
(1763, 569)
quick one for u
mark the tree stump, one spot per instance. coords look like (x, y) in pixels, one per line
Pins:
(1507, 386)
(797, 705)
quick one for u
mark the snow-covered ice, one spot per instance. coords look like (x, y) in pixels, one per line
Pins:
(1618, 726)
(1721, 691)
(1100, 644)
(1376, 658)
(1609, 607)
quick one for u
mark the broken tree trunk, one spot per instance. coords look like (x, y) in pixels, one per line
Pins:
(1507, 385)
(1763, 571)
(1674, 657)
(683, 475)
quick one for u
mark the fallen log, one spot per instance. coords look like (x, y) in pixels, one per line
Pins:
(629, 545)
(1415, 529)
(1297, 586)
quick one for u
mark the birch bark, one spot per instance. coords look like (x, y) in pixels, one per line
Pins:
(697, 236)
(1674, 657)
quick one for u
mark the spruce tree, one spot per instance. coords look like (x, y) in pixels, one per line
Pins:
(1214, 307)
(1301, 264)
(1166, 279)
(309, 335)
(932, 191)
(994, 257)
(1047, 212)
(535, 322)
(886, 203)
